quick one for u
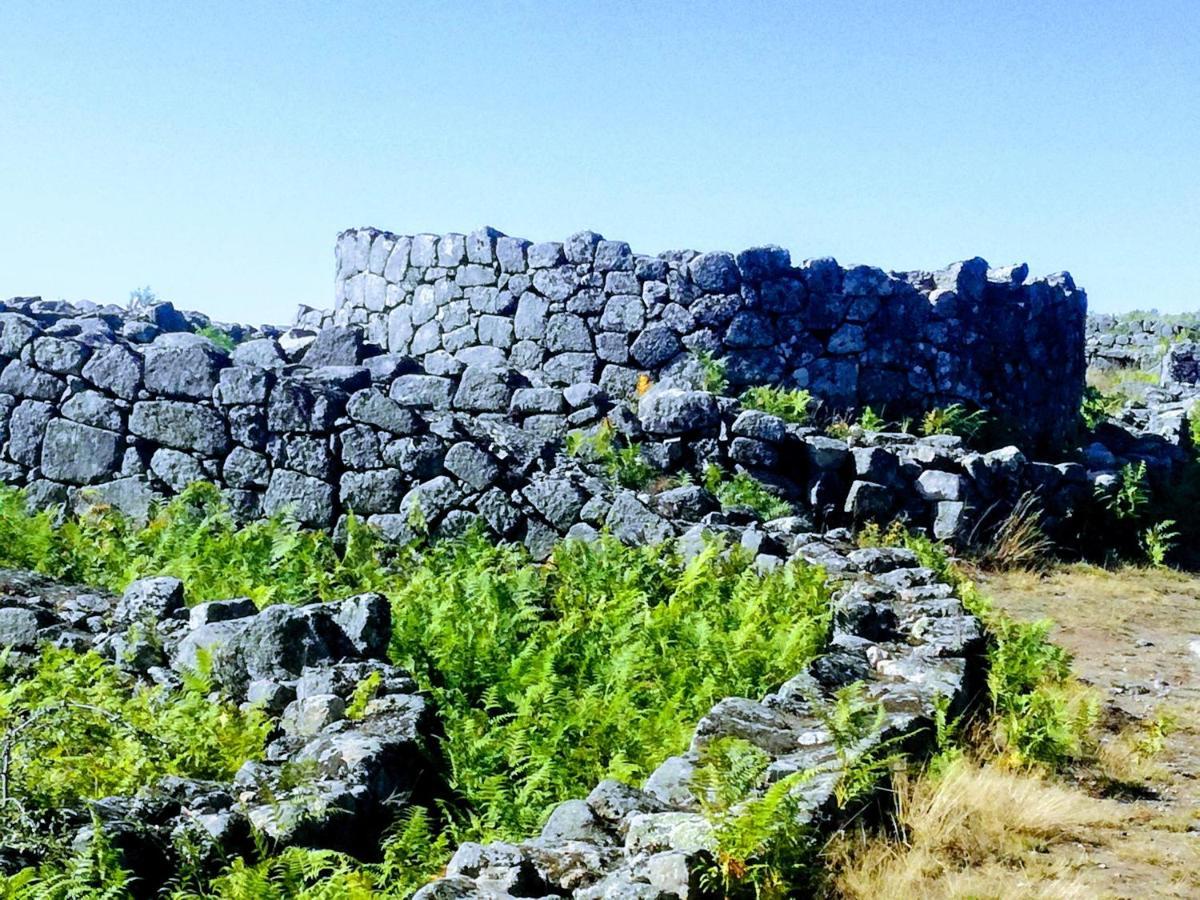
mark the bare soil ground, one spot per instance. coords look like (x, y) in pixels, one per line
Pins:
(1135, 635)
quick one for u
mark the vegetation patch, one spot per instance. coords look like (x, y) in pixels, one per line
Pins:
(596, 665)
(625, 465)
(546, 677)
(74, 728)
(789, 405)
(218, 336)
(743, 489)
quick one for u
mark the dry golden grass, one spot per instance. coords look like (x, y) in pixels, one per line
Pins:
(1017, 542)
(978, 831)
(1123, 821)
(1129, 381)
(1132, 755)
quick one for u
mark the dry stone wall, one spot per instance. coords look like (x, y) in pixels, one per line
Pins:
(591, 310)
(1139, 341)
(322, 424)
(441, 389)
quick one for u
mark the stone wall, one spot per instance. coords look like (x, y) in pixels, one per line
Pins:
(590, 310)
(1136, 340)
(127, 406)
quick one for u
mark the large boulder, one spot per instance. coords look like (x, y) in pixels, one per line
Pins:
(280, 641)
(183, 365)
(308, 499)
(670, 411)
(80, 454)
(116, 370)
(180, 426)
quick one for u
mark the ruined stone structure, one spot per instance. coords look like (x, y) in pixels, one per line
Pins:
(590, 310)
(1137, 341)
(454, 367)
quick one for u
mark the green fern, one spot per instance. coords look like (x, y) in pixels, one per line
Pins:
(954, 419)
(789, 405)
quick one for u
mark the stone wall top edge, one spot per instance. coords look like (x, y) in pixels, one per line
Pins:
(1061, 279)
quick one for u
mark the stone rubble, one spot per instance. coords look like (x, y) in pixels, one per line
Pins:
(300, 664)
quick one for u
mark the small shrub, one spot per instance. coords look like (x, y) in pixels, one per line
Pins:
(629, 468)
(789, 405)
(142, 296)
(1127, 499)
(1044, 715)
(218, 336)
(625, 465)
(870, 420)
(954, 419)
(1157, 541)
(712, 373)
(851, 720)
(1099, 406)
(1153, 734)
(761, 849)
(744, 490)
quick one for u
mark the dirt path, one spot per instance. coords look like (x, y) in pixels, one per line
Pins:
(1135, 635)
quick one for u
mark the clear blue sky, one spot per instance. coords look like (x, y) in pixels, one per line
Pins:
(214, 150)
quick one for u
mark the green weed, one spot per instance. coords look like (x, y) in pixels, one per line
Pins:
(712, 373)
(218, 336)
(1157, 541)
(364, 693)
(1099, 406)
(1127, 499)
(789, 405)
(625, 465)
(759, 849)
(869, 420)
(743, 489)
(954, 419)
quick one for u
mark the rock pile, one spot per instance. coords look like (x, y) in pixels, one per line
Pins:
(894, 625)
